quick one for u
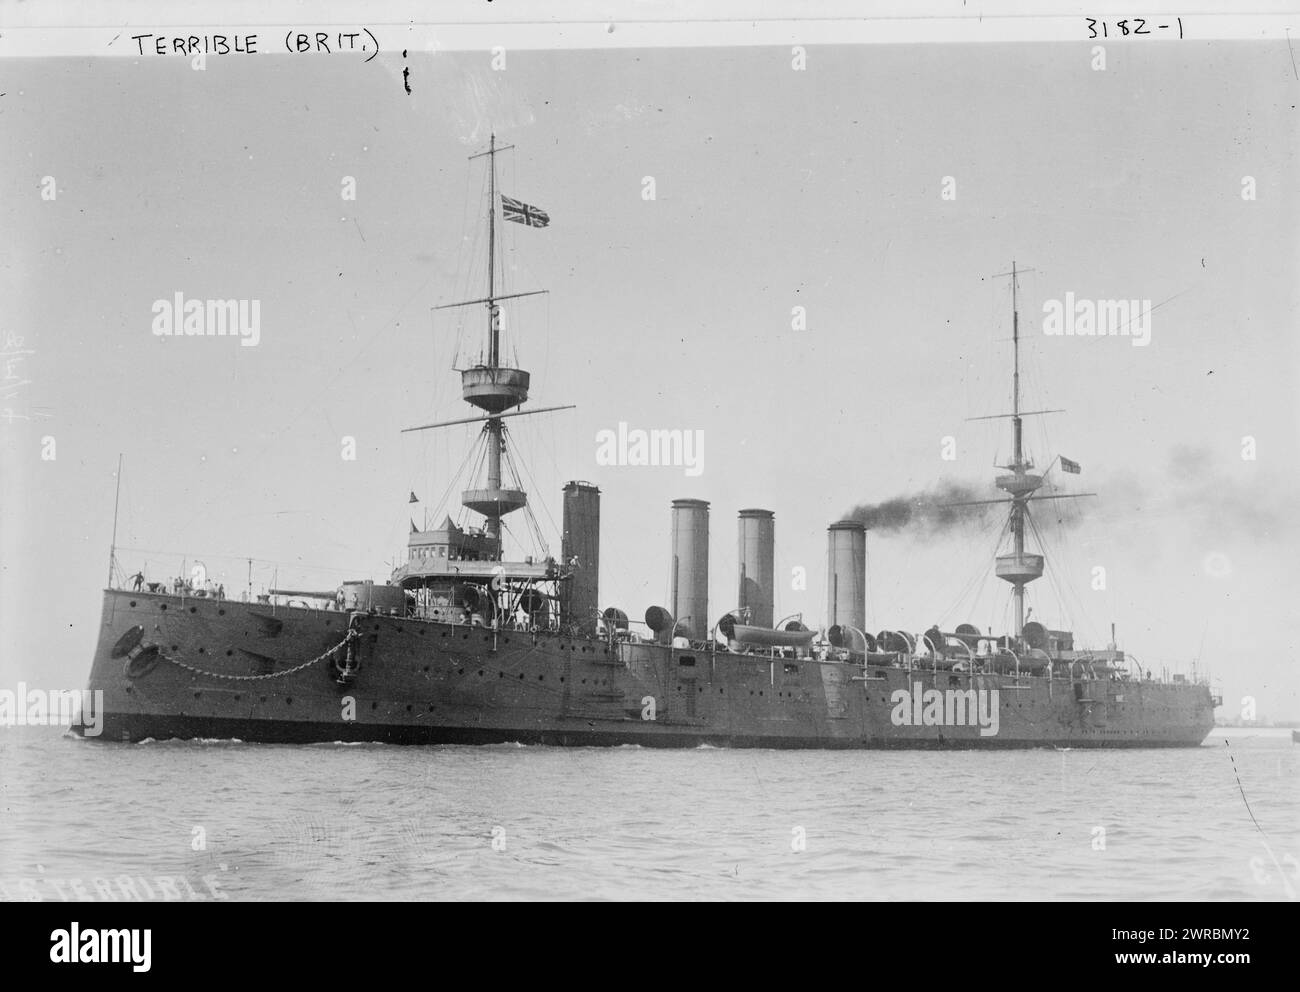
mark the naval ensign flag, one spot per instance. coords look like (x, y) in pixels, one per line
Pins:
(522, 213)
(1069, 466)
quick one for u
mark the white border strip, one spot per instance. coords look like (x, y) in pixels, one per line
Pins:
(85, 29)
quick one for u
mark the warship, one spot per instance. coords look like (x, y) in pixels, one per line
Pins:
(461, 646)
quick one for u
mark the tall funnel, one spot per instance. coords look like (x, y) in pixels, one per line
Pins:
(580, 549)
(846, 574)
(690, 581)
(756, 530)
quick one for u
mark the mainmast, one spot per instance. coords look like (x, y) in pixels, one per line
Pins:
(1021, 485)
(1018, 568)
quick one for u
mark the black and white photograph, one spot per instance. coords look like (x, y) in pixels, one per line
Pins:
(647, 452)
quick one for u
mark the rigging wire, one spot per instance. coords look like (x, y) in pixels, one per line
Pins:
(532, 482)
(980, 577)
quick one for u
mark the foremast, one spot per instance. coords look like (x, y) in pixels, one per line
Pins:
(491, 386)
(449, 567)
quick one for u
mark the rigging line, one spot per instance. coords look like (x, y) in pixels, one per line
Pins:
(542, 543)
(1071, 602)
(222, 557)
(980, 575)
(468, 276)
(989, 560)
(460, 248)
(1067, 603)
(442, 500)
(1067, 590)
(961, 593)
(532, 482)
(535, 533)
(512, 469)
(965, 590)
(471, 273)
(460, 471)
(478, 448)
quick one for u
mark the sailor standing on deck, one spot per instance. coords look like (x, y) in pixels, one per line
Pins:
(137, 579)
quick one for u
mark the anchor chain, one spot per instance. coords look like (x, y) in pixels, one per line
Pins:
(351, 635)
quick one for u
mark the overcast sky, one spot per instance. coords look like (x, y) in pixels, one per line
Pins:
(774, 189)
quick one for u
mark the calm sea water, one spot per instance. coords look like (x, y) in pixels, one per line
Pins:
(507, 822)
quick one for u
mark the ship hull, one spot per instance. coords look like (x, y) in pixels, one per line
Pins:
(230, 670)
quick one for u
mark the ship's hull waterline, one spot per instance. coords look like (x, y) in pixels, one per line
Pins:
(422, 682)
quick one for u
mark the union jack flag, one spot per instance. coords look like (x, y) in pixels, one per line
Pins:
(522, 213)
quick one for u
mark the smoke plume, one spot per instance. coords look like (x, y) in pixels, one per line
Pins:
(931, 511)
(1212, 493)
